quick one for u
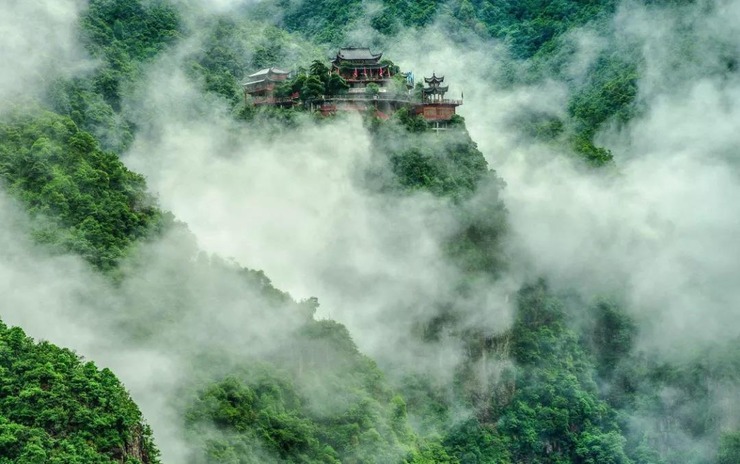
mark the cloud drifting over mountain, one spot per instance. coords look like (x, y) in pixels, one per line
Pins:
(40, 44)
(660, 231)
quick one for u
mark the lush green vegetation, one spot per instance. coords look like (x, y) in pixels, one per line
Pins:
(528, 26)
(533, 26)
(328, 404)
(123, 35)
(555, 414)
(57, 409)
(571, 389)
(535, 33)
(325, 21)
(234, 47)
(447, 164)
(82, 198)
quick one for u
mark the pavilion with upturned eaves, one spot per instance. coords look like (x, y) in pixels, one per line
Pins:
(434, 107)
(434, 92)
(360, 67)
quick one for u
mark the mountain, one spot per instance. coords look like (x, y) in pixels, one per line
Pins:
(58, 408)
(546, 276)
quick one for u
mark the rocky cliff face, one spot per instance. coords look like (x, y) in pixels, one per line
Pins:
(136, 447)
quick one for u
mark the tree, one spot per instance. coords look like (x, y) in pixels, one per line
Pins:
(56, 409)
(336, 85)
(729, 449)
(556, 415)
(372, 89)
(96, 206)
(319, 69)
(312, 88)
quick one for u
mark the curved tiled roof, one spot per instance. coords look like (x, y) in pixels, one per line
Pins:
(434, 79)
(433, 90)
(266, 71)
(264, 75)
(356, 53)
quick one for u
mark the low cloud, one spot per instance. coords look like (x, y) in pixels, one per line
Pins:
(660, 231)
(293, 203)
(40, 44)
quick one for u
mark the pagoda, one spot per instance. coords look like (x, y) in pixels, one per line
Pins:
(261, 85)
(434, 106)
(435, 92)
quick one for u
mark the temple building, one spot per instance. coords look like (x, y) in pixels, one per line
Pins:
(370, 81)
(261, 85)
(360, 67)
(373, 85)
(434, 107)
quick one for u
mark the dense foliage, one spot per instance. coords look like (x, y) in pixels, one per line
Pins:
(327, 403)
(568, 390)
(555, 414)
(445, 164)
(535, 33)
(528, 26)
(235, 47)
(123, 35)
(83, 199)
(57, 409)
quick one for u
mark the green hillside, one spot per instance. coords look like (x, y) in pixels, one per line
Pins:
(56, 408)
(261, 377)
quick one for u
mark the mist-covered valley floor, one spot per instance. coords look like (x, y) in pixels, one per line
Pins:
(186, 277)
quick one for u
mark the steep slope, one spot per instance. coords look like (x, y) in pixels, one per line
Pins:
(82, 198)
(322, 409)
(269, 382)
(56, 408)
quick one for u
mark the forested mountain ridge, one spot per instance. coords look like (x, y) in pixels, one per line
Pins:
(85, 200)
(58, 409)
(262, 378)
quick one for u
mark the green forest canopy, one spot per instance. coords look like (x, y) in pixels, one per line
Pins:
(572, 389)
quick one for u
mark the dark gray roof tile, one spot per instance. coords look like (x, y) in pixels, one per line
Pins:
(352, 53)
